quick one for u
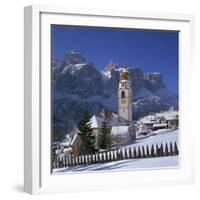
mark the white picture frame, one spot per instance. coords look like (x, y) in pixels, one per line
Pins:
(37, 130)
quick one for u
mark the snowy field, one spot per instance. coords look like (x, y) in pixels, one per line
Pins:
(164, 136)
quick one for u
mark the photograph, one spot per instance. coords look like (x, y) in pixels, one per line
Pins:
(114, 99)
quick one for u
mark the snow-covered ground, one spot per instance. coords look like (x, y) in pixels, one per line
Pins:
(158, 137)
(124, 165)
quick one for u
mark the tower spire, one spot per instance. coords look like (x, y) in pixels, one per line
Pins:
(125, 97)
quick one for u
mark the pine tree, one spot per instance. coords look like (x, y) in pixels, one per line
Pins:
(104, 136)
(88, 139)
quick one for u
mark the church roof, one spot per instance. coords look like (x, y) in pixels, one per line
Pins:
(121, 131)
(106, 113)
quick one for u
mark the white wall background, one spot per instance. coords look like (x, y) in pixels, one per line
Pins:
(11, 101)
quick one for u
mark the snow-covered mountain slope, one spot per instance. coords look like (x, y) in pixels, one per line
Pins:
(78, 86)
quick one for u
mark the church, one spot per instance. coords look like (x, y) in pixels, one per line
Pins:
(120, 125)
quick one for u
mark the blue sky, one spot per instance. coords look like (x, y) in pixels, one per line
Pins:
(152, 51)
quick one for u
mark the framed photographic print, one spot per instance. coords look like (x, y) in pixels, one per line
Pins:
(106, 99)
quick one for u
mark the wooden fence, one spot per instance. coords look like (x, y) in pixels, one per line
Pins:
(117, 154)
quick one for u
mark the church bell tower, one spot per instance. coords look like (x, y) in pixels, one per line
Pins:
(125, 97)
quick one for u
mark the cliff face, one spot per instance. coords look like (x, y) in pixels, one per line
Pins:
(79, 86)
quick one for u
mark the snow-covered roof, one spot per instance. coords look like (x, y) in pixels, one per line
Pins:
(172, 117)
(160, 125)
(169, 115)
(109, 116)
(150, 119)
(69, 140)
(153, 119)
(66, 141)
(95, 122)
(122, 131)
(74, 139)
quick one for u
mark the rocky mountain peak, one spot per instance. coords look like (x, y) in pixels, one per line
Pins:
(74, 57)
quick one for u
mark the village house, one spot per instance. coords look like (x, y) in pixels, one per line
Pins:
(162, 120)
(71, 144)
(172, 121)
(149, 121)
(122, 135)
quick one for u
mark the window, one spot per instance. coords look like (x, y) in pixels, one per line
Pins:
(123, 94)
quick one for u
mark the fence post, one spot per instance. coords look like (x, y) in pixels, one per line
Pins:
(77, 161)
(98, 158)
(102, 158)
(106, 157)
(130, 153)
(65, 162)
(84, 159)
(171, 152)
(72, 163)
(143, 152)
(166, 150)
(59, 162)
(68, 161)
(91, 158)
(157, 153)
(147, 152)
(109, 156)
(161, 150)
(81, 159)
(95, 158)
(134, 153)
(176, 151)
(53, 163)
(56, 162)
(125, 154)
(117, 154)
(121, 155)
(113, 155)
(152, 151)
(88, 159)
(139, 152)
